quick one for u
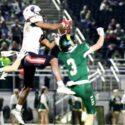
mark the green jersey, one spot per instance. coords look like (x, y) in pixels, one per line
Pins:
(75, 63)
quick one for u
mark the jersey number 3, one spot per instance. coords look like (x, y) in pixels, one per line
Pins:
(71, 62)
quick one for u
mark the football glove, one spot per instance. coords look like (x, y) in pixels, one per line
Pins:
(56, 38)
(67, 25)
(100, 31)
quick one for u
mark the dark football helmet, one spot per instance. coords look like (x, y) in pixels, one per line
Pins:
(66, 43)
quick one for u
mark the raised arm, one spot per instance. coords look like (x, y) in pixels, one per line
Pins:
(63, 26)
(49, 26)
(99, 42)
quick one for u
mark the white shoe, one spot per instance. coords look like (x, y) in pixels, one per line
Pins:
(18, 116)
(65, 90)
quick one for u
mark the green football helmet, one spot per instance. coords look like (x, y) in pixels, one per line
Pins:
(66, 43)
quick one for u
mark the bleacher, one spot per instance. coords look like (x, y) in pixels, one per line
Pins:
(102, 89)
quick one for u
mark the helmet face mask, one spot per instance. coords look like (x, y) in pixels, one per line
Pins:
(65, 43)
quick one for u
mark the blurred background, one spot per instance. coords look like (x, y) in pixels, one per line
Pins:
(87, 15)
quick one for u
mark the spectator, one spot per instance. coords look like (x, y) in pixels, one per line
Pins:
(105, 6)
(14, 98)
(112, 23)
(88, 21)
(31, 1)
(76, 108)
(15, 46)
(16, 31)
(4, 30)
(17, 8)
(105, 12)
(6, 10)
(119, 33)
(1, 18)
(116, 2)
(43, 108)
(1, 110)
(4, 44)
(114, 40)
(115, 106)
(27, 2)
(109, 30)
(123, 108)
(13, 102)
(83, 12)
(110, 44)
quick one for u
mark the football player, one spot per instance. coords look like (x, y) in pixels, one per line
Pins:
(33, 37)
(74, 57)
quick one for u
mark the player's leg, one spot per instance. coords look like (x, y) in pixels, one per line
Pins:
(45, 60)
(56, 71)
(22, 98)
(85, 92)
(89, 103)
(28, 83)
(90, 119)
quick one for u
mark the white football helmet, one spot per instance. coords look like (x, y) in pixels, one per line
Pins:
(31, 11)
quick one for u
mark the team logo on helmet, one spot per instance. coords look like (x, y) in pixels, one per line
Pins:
(66, 43)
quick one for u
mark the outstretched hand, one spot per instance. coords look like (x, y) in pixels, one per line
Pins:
(100, 31)
(67, 24)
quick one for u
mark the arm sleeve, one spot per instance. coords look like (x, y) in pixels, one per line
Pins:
(85, 47)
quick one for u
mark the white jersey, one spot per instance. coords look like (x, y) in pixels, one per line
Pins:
(31, 37)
